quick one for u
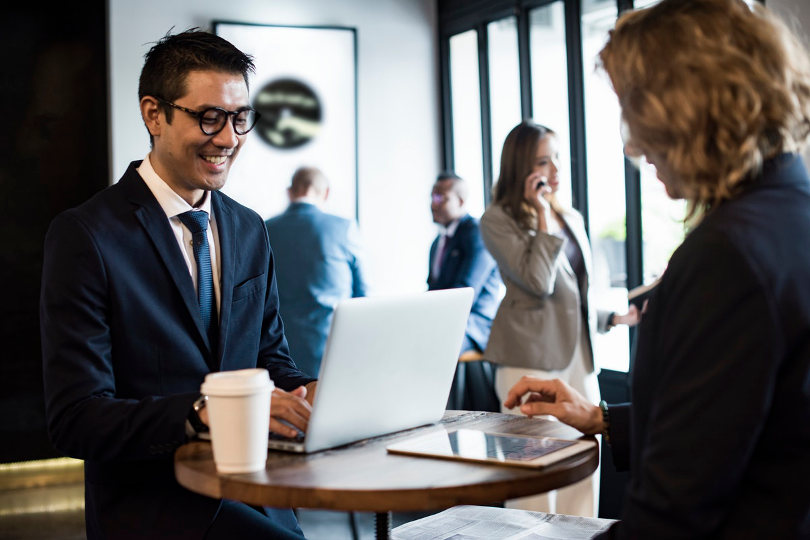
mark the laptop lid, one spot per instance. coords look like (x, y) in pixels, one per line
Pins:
(388, 365)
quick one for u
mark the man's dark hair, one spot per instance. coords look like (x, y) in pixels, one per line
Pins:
(447, 175)
(169, 61)
(305, 178)
(459, 184)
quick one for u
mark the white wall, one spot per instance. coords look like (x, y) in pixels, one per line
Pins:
(797, 14)
(398, 108)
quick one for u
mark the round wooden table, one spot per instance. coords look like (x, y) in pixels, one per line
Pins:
(364, 477)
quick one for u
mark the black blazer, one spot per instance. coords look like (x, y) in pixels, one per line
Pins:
(124, 350)
(718, 434)
(467, 263)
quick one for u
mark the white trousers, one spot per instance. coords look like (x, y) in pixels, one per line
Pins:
(581, 498)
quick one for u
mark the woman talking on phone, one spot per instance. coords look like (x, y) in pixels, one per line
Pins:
(544, 324)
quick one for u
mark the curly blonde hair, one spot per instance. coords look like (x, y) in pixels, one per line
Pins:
(711, 88)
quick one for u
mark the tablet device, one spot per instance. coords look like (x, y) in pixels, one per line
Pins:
(487, 447)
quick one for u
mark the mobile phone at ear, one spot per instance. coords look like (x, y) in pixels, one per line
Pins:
(539, 184)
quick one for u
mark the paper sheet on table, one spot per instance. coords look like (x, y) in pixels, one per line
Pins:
(486, 522)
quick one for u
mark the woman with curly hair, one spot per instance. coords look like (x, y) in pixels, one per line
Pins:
(716, 95)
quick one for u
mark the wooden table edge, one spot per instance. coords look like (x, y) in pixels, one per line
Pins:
(240, 487)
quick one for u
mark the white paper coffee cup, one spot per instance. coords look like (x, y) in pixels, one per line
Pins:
(239, 418)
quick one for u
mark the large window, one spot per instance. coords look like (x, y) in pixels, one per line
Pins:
(606, 185)
(662, 227)
(504, 84)
(504, 60)
(466, 106)
(661, 223)
(549, 75)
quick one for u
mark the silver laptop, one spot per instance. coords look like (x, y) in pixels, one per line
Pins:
(388, 365)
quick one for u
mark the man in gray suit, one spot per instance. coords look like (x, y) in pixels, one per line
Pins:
(317, 265)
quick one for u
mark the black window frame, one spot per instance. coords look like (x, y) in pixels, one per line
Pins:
(457, 16)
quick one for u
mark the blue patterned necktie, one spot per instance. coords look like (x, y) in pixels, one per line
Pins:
(197, 223)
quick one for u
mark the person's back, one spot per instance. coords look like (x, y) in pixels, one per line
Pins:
(775, 239)
(750, 244)
(317, 265)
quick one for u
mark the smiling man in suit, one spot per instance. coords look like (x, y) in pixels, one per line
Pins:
(458, 258)
(150, 285)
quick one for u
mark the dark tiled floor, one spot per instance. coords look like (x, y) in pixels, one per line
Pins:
(43, 526)
(37, 504)
(324, 525)
(69, 525)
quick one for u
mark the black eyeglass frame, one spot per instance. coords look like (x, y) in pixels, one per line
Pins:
(200, 115)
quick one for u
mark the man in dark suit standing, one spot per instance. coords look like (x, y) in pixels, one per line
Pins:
(150, 285)
(458, 258)
(317, 265)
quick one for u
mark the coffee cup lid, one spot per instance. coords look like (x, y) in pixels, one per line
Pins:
(237, 382)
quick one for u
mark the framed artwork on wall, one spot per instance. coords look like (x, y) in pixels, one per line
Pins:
(305, 88)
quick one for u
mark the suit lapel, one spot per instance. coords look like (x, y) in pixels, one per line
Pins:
(153, 220)
(451, 244)
(227, 257)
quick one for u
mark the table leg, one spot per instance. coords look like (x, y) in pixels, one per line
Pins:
(353, 525)
(382, 525)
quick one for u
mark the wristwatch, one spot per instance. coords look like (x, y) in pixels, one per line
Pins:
(194, 415)
(605, 421)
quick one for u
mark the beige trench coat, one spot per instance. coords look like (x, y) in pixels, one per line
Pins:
(539, 319)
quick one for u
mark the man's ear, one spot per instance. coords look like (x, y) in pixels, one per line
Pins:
(150, 112)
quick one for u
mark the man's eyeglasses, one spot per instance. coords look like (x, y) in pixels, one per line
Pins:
(213, 119)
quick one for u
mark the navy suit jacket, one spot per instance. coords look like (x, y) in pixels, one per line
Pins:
(717, 437)
(317, 265)
(467, 263)
(124, 350)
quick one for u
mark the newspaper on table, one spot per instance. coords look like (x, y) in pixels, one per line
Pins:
(486, 522)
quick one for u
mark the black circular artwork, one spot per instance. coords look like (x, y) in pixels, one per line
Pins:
(290, 113)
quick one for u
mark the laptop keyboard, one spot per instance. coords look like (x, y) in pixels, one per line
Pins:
(278, 437)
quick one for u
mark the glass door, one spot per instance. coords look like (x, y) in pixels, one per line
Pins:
(549, 75)
(504, 84)
(465, 99)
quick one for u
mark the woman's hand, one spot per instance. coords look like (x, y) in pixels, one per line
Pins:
(555, 397)
(631, 318)
(535, 190)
